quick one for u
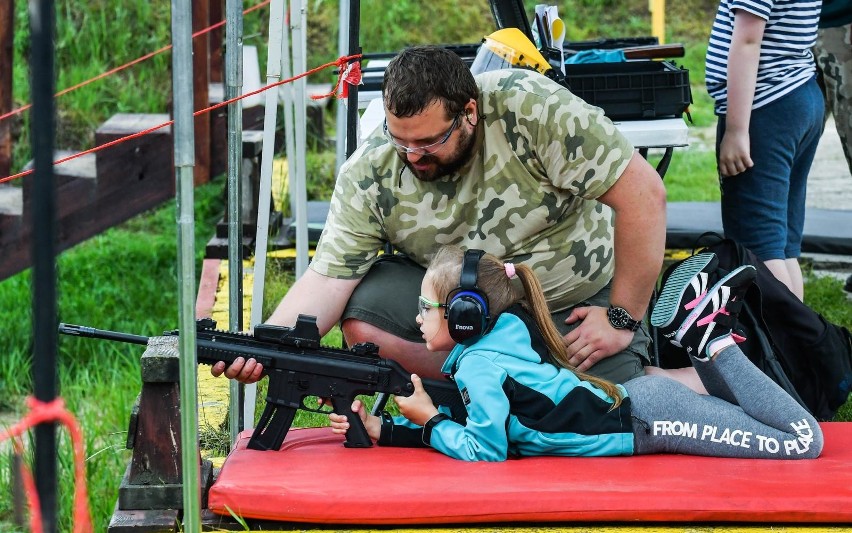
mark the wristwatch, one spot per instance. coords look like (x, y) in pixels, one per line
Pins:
(619, 318)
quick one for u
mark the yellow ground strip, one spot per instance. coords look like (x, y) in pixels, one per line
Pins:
(214, 393)
(598, 529)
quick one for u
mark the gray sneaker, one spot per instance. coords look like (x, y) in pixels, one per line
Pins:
(683, 290)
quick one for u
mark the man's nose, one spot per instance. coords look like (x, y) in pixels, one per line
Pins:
(413, 157)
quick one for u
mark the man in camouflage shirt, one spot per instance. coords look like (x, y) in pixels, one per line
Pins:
(509, 162)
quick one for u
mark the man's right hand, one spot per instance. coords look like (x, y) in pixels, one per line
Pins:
(243, 371)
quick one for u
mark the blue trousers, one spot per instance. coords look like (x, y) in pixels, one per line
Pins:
(763, 208)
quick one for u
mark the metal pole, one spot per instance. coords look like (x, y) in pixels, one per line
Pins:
(184, 143)
(273, 75)
(298, 182)
(342, 50)
(233, 89)
(42, 22)
(354, 48)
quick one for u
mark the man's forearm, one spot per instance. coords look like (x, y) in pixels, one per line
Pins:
(316, 295)
(638, 260)
(639, 201)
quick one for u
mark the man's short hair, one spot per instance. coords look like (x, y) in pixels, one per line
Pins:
(419, 75)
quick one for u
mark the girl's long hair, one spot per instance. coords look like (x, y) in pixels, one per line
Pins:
(444, 273)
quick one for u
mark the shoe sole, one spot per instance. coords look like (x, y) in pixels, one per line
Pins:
(696, 312)
(668, 303)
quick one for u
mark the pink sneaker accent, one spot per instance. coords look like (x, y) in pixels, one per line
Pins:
(691, 305)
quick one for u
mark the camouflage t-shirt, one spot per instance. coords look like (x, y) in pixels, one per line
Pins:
(542, 157)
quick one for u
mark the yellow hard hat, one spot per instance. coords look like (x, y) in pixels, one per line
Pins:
(507, 48)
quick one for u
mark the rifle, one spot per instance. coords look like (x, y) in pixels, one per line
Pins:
(299, 367)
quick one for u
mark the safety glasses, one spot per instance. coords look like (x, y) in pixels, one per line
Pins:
(429, 149)
(424, 304)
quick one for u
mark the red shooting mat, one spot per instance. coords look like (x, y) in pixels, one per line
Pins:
(314, 479)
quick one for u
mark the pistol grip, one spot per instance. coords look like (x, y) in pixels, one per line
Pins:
(356, 435)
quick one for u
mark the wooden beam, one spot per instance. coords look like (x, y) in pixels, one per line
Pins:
(201, 88)
(217, 38)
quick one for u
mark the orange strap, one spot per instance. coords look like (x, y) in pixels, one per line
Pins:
(41, 413)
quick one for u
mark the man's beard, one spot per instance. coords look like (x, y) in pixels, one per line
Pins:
(439, 169)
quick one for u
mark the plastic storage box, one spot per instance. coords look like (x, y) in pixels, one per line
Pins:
(632, 90)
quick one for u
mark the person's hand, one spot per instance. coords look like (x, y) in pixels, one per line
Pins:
(594, 339)
(418, 407)
(340, 424)
(734, 153)
(241, 370)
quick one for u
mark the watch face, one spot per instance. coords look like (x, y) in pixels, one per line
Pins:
(618, 317)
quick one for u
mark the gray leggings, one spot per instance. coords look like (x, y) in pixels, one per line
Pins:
(746, 415)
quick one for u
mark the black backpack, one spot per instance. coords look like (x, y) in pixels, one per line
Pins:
(794, 345)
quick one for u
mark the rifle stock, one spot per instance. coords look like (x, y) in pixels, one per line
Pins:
(299, 367)
(660, 51)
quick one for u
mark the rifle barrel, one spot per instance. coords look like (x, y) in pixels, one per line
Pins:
(85, 331)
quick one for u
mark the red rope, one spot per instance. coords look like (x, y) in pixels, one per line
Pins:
(40, 413)
(129, 64)
(29, 486)
(338, 63)
(351, 75)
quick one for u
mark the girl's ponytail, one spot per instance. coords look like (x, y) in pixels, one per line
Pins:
(541, 313)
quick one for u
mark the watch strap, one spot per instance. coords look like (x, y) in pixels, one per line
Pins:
(631, 325)
(430, 424)
(386, 434)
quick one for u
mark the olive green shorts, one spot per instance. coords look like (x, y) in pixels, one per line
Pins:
(387, 299)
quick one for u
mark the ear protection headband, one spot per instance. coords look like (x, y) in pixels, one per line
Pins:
(467, 307)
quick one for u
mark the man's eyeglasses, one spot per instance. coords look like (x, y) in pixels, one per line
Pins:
(429, 149)
(424, 304)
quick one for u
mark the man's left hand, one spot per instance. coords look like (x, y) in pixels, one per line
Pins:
(594, 339)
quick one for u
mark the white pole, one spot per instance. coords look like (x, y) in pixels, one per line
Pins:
(273, 75)
(298, 181)
(342, 50)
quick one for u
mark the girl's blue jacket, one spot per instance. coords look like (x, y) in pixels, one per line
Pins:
(518, 403)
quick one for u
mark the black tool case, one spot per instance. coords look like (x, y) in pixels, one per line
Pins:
(632, 90)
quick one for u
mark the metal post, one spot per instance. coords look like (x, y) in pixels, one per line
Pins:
(233, 88)
(184, 142)
(354, 48)
(273, 75)
(42, 22)
(342, 50)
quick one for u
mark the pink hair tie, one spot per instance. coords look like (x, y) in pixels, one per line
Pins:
(510, 270)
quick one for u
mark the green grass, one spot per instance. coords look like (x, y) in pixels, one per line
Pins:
(124, 279)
